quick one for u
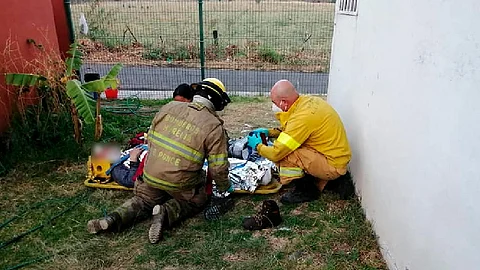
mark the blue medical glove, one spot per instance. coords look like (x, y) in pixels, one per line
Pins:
(229, 190)
(254, 139)
(260, 130)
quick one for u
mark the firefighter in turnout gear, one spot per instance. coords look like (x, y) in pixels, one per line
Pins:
(181, 137)
(311, 148)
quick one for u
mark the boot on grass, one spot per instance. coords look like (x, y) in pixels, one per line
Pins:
(267, 217)
(343, 186)
(109, 223)
(155, 233)
(304, 190)
(218, 207)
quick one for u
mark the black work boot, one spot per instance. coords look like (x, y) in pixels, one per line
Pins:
(304, 190)
(343, 186)
(267, 217)
(218, 207)
(155, 233)
(109, 223)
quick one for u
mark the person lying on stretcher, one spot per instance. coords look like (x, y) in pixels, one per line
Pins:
(127, 172)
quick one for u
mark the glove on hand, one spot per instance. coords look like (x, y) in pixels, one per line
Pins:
(254, 139)
(225, 192)
(260, 130)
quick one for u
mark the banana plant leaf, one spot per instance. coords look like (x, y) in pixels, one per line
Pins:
(83, 102)
(23, 80)
(108, 81)
(111, 80)
(113, 73)
(111, 83)
(74, 61)
(97, 86)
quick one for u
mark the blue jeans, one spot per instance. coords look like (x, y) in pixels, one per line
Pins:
(123, 175)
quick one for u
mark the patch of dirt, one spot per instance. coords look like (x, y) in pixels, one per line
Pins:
(318, 261)
(262, 233)
(69, 189)
(300, 210)
(72, 168)
(194, 220)
(311, 261)
(236, 257)
(169, 267)
(150, 265)
(236, 231)
(312, 214)
(372, 258)
(240, 118)
(342, 247)
(133, 54)
(21, 186)
(278, 243)
(337, 206)
(304, 259)
(123, 260)
(306, 231)
(182, 251)
(338, 230)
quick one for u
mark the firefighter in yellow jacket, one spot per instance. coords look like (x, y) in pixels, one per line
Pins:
(181, 137)
(311, 146)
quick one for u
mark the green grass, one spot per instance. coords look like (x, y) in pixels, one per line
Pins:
(314, 238)
(155, 102)
(270, 55)
(246, 99)
(297, 34)
(326, 234)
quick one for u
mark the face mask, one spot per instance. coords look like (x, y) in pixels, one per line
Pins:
(275, 108)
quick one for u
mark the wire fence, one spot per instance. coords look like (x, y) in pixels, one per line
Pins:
(249, 45)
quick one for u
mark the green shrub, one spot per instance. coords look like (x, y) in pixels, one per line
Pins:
(268, 54)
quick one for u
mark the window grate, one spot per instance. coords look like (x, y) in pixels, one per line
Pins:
(348, 7)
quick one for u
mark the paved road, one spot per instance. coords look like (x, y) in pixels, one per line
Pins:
(149, 82)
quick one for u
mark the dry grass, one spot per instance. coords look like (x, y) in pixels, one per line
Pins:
(271, 34)
(240, 118)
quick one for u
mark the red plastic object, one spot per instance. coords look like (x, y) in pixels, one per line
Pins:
(209, 184)
(111, 93)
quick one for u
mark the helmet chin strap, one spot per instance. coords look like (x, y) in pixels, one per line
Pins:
(205, 101)
(214, 93)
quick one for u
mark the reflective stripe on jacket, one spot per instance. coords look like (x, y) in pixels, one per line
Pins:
(181, 137)
(310, 122)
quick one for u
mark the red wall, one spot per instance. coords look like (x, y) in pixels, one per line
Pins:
(28, 19)
(61, 25)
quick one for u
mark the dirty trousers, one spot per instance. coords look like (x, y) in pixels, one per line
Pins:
(178, 205)
(307, 160)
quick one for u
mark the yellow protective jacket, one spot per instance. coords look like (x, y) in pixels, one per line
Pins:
(181, 136)
(310, 122)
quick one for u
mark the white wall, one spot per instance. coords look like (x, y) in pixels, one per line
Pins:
(405, 78)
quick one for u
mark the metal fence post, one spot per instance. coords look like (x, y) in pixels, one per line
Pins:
(68, 13)
(202, 40)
